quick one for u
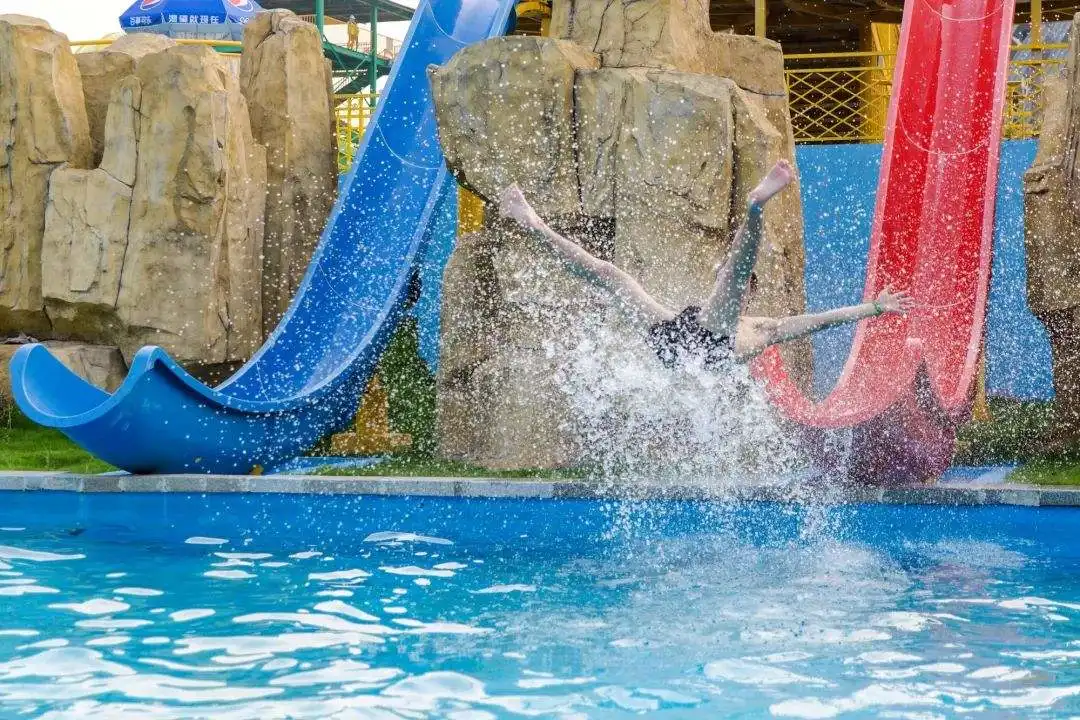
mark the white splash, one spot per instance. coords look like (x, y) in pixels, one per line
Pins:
(643, 424)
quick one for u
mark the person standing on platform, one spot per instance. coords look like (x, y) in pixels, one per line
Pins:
(354, 33)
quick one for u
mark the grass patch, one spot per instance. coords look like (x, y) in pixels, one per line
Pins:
(410, 388)
(1018, 433)
(424, 466)
(1048, 472)
(1021, 433)
(26, 446)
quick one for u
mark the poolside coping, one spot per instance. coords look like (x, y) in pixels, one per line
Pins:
(930, 494)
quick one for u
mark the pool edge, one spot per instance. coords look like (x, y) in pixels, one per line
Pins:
(967, 494)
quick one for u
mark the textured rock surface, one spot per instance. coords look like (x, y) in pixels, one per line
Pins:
(639, 33)
(644, 158)
(43, 126)
(292, 117)
(101, 365)
(670, 200)
(672, 34)
(86, 229)
(507, 106)
(1052, 228)
(103, 69)
(193, 261)
(508, 308)
(162, 244)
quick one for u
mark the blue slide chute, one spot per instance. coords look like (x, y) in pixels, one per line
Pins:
(307, 379)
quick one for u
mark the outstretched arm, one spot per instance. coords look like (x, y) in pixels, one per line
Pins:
(794, 328)
(756, 334)
(627, 290)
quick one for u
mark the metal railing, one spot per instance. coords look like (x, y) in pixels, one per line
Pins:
(231, 48)
(386, 47)
(839, 97)
(844, 97)
(351, 113)
(1029, 68)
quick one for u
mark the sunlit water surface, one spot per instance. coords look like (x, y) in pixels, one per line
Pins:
(352, 607)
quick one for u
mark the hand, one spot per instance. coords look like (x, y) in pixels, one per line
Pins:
(899, 301)
(513, 205)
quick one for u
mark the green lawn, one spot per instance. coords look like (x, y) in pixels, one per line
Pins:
(1047, 472)
(1021, 433)
(421, 466)
(1017, 434)
(25, 446)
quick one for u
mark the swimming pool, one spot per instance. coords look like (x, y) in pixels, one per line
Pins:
(267, 606)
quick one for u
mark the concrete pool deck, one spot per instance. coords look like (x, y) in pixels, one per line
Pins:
(972, 489)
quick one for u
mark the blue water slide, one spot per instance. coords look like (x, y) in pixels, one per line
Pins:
(307, 379)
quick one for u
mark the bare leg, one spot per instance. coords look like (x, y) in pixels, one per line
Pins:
(627, 291)
(721, 312)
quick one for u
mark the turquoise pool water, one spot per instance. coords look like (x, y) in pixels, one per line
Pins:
(351, 607)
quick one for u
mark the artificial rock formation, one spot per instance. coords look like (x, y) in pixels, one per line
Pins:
(1052, 229)
(637, 132)
(102, 70)
(43, 126)
(133, 187)
(162, 243)
(287, 83)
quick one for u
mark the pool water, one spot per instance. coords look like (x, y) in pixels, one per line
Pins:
(265, 606)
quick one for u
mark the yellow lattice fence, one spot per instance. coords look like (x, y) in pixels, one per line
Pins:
(843, 97)
(352, 113)
(839, 97)
(1029, 69)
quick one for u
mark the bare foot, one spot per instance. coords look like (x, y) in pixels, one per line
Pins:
(777, 179)
(513, 205)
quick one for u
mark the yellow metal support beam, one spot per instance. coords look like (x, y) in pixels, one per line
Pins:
(980, 410)
(761, 14)
(536, 10)
(470, 211)
(230, 44)
(1036, 23)
(351, 113)
(371, 433)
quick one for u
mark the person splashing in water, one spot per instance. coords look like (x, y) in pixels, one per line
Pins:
(716, 332)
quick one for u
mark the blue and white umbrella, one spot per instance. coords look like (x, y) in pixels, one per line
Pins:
(205, 19)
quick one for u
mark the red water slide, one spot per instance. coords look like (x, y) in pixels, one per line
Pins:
(908, 380)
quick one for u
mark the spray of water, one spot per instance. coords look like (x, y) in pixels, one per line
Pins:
(645, 425)
(649, 431)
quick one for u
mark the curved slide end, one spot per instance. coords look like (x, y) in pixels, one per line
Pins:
(160, 419)
(48, 392)
(51, 394)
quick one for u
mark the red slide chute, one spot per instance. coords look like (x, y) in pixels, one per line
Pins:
(908, 380)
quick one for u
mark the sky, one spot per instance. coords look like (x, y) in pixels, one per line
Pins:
(92, 19)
